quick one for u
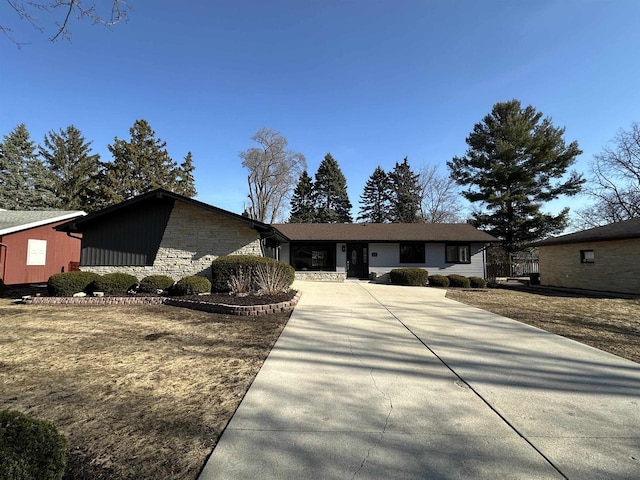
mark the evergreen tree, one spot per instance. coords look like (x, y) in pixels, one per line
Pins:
(24, 182)
(73, 169)
(302, 203)
(185, 183)
(332, 201)
(513, 157)
(139, 165)
(376, 198)
(405, 194)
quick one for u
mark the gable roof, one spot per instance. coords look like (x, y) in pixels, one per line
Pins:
(157, 194)
(614, 231)
(384, 232)
(12, 221)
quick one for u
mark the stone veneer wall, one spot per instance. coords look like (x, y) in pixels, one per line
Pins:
(321, 276)
(615, 268)
(194, 237)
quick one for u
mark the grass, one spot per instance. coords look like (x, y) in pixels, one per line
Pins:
(610, 324)
(140, 391)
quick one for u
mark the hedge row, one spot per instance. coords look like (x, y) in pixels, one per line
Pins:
(420, 277)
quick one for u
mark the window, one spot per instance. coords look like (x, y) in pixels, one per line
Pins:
(313, 257)
(587, 256)
(458, 253)
(36, 252)
(412, 253)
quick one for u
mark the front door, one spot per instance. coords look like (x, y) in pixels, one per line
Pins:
(357, 266)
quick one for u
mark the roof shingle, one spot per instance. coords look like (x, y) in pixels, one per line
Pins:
(613, 231)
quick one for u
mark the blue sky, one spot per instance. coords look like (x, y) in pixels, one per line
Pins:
(369, 81)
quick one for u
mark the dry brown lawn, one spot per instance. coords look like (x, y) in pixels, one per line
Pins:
(610, 324)
(140, 391)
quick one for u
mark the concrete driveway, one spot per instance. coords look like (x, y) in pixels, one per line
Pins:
(386, 382)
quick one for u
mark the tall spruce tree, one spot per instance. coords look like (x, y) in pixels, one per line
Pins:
(376, 198)
(405, 193)
(139, 165)
(73, 169)
(302, 203)
(514, 156)
(25, 183)
(185, 183)
(331, 198)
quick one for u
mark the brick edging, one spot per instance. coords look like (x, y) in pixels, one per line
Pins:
(242, 310)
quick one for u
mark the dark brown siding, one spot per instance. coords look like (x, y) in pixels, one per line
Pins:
(126, 238)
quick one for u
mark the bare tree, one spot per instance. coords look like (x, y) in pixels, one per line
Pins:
(31, 11)
(614, 183)
(273, 174)
(440, 200)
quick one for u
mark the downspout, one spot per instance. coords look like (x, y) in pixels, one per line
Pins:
(4, 263)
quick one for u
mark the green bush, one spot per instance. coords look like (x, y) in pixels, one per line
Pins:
(409, 276)
(153, 283)
(30, 448)
(438, 281)
(191, 285)
(458, 281)
(116, 283)
(68, 283)
(477, 282)
(224, 268)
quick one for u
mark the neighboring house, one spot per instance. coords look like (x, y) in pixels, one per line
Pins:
(359, 250)
(161, 232)
(31, 250)
(602, 258)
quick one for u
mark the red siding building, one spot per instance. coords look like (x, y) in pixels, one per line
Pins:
(31, 250)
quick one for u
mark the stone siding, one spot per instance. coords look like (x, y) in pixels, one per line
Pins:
(193, 238)
(615, 268)
(321, 276)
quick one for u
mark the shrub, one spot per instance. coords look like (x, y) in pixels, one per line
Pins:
(1, 288)
(240, 282)
(116, 283)
(68, 283)
(409, 276)
(30, 448)
(273, 277)
(223, 268)
(191, 285)
(477, 282)
(458, 281)
(438, 281)
(153, 283)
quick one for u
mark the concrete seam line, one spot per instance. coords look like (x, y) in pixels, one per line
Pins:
(484, 400)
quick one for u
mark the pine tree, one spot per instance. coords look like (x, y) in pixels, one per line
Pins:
(73, 169)
(139, 165)
(185, 183)
(302, 203)
(405, 194)
(513, 157)
(24, 182)
(332, 201)
(376, 198)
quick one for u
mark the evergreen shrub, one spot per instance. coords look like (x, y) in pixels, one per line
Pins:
(477, 282)
(224, 268)
(191, 285)
(409, 276)
(153, 283)
(116, 283)
(438, 281)
(67, 283)
(458, 281)
(30, 448)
